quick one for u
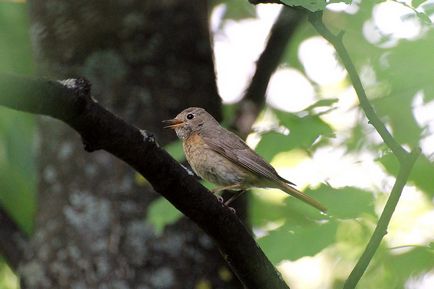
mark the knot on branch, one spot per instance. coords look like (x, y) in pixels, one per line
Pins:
(81, 97)
(148, 137)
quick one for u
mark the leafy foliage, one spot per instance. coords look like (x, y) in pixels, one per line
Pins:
(17, 164)
(304, 131)
(293, 243)
(421, 175)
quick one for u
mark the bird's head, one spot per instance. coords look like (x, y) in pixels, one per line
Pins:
(189, 121)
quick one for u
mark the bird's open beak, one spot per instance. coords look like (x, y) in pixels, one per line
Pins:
(173, 123)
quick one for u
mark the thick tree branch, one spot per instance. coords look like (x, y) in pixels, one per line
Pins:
(70, 102)
(281, 32)
(406, 159)
(12, 240)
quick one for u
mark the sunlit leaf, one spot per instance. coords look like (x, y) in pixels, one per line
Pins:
(408, 264)
(237, 9)
(322, 103)
(304, 131)
(424, 18)
(8, 280)
(287, 243)
(416, 3)
(262, 212)
(344, 203)
(421, 175)
(406, 69)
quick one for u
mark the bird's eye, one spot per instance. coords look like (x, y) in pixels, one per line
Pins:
(190, 116)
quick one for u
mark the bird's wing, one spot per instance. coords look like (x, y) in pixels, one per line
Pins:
(235, 149)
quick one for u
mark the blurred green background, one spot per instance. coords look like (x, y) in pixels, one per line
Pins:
(326, 146)
(17, 130)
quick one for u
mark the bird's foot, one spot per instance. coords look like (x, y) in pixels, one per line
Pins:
(232, 210)
(220, 199)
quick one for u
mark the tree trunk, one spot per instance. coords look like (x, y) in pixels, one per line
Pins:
(147, 60)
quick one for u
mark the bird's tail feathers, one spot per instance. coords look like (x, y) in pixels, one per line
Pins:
(302, 196)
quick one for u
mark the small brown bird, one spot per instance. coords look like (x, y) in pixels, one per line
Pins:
(221, 157)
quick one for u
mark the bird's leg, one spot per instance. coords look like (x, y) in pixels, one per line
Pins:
(230, 187)
(234, 197)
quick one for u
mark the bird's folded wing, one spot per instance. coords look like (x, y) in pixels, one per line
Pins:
(234, 149)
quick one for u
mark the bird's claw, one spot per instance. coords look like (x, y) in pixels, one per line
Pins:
(220, 199)
(232, 210)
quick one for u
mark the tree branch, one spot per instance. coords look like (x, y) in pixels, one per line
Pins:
(336, 40)
(70, 102)
(282, 30)
(254, 97)
(381, 228)
(406, 159)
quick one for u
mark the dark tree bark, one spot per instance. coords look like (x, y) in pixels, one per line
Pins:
(147, 60)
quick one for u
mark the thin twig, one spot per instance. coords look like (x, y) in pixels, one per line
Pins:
(336, 40)
(381, 228)
(406, 159)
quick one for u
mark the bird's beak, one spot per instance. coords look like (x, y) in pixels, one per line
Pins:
(173, 123)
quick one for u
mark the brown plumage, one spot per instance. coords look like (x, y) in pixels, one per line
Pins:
(221, 157)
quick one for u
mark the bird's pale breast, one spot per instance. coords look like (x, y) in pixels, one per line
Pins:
(210, 165)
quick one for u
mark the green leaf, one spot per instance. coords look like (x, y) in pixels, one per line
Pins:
(287, 243)
(273, 143)
(405, 71)
(322, 103)
(421, 175)
(311, 5)
(237, 9)
(17, 196)
(162, 213)
(340, 1)
(17, 167)
(424, 18)
(405, 265)
(416, 3)
(344, 203)
(262, 212)
(15, 48)
(8, 280)
(304, 131)
(306, 128)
